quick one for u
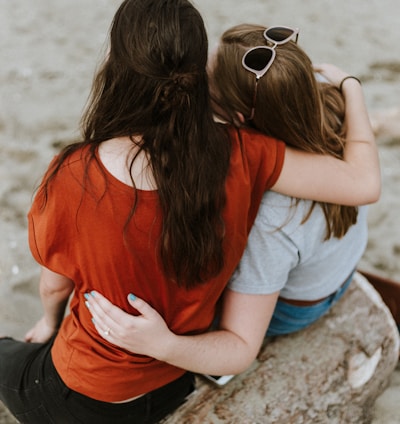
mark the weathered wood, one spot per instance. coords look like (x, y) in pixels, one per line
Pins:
(330, 373)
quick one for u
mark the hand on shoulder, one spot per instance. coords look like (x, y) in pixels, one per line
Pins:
(331, 72)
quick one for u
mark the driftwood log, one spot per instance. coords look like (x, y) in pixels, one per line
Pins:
(330, 373)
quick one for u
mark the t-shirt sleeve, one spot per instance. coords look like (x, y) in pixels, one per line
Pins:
(264, 155)
(50, 229)
(279, 153)
(36, 216)
(269, 256)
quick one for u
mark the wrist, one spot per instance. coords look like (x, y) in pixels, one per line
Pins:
(51, 324)
(169, 347)
(347, 78)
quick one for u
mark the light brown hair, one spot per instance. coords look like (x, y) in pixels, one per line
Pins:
(290, 104)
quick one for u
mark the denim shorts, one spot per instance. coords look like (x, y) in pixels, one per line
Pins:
(289, 318)
(32, 390)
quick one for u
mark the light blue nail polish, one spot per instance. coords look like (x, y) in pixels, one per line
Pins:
(131, 296)
(87, 296)
(93, 293)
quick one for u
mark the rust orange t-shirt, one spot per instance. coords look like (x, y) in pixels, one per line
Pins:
(80, 234)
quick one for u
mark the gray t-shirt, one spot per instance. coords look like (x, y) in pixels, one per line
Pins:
(284, 255)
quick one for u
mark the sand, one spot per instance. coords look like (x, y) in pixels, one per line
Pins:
(49, 50)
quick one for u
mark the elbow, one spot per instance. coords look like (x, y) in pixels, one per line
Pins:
(237, 369)
(245, 366)
(365, 191)
(374, 184)
(376, 197)
(233, 367)
(374, 191)
(246, 361)
(50, 289)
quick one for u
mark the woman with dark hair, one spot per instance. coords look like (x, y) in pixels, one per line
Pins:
(157, 200)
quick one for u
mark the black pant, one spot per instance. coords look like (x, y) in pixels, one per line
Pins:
(34, 393)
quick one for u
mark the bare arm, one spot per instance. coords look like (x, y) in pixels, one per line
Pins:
(352, 181)
(55, 290)
(243, 325)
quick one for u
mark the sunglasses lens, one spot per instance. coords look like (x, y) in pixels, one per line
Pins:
(279, 34)
(258, 58)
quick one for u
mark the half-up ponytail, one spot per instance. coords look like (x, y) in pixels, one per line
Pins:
(154, 88)
(175, 91)
(157, 88)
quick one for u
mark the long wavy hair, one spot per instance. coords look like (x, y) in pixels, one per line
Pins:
(153, 86)
(291, 105)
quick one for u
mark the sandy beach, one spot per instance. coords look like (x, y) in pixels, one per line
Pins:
(49, 50)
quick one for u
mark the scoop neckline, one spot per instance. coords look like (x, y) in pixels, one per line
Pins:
(120, 184)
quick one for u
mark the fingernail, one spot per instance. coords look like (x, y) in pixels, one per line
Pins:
(87, 296)
(94, 322)
(87, 305)
(131, 296)
(93, 293)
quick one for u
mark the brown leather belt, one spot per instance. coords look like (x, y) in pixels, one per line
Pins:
(296, 302)
(302, 302)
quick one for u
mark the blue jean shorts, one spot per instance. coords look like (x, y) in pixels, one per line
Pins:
(289, 318)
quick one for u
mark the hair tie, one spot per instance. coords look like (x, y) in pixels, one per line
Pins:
(345, 78)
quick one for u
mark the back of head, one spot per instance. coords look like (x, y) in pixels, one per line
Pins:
(153, 84)
(290, 104)
(154, 67)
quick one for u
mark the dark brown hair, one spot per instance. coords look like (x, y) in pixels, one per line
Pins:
(153, 84)
(290, 105)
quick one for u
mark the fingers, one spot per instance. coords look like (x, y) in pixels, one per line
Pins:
(103, 308)
(106, 332)
(110, 321)
(333, 73)
(40, 332)
(141, 306)
(104, 313)
(317, 67)
(28, 336)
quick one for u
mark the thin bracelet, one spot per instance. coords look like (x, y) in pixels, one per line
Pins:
(345, 78)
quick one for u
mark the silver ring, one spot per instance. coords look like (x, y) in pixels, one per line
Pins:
(107, 332)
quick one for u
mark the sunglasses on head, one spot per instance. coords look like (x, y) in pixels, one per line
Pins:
(260, 58)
